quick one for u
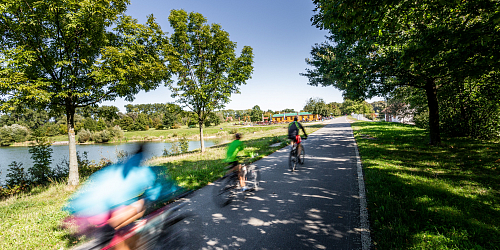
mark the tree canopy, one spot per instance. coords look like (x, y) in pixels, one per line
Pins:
(204, 61)
(377, 46)
(63, 55)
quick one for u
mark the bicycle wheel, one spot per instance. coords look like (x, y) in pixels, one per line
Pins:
(292, 160)
(224, 191)
(302, 155)
(178, 232)
(253, 177)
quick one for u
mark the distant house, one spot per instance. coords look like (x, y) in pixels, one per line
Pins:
(399, 112)
(303, 116)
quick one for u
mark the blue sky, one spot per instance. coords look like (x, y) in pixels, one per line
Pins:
(281, 35)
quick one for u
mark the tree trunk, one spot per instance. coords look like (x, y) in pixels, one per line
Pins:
(200, 123)
(431, 91)
(73, 178)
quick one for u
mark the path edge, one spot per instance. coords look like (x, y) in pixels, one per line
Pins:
(366, 241)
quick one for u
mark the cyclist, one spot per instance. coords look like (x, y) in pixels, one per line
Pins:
(232, 157)
(293, 133)
(115, 196)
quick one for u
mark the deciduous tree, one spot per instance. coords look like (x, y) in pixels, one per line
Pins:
(204, 61)
(376, 46)
(67, 54)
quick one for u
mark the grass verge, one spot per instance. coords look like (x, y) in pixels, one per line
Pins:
(425, 197)
(32, 220)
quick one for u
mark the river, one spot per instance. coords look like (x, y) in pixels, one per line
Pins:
(94, 152)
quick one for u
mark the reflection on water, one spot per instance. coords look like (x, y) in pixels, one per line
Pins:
(94, 152)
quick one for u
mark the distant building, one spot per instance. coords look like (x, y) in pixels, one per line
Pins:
(288, 117)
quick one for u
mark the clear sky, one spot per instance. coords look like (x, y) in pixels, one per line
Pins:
(281, 35)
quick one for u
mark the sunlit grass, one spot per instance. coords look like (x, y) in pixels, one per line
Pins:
(32, 220)
(425, 197)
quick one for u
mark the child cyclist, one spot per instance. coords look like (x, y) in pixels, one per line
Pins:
(231, 157)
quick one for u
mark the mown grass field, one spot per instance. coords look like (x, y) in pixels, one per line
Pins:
(427, 197)
(32, 220)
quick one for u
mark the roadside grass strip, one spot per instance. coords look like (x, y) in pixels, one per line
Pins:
(428, 197)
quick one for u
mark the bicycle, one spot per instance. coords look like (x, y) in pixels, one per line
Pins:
(228, 188)
(293, 159)
(163, 228)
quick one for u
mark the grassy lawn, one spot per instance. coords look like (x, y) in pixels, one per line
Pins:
(425, 197)
(32, 220)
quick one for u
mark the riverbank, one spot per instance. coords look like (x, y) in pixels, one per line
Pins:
(32, 220)
(425, 197)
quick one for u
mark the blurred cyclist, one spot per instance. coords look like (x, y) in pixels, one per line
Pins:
(115, 196)
(232, 157)
(293, 133)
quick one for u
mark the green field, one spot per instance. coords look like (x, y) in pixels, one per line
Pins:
(425, 197)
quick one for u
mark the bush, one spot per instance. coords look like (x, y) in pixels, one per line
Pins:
(84, 135)
(41, 153)
(102, 136)
(16, 175)
(176, 126)
(13, 133)
(116, 132)
(184, 144)
(233, 131)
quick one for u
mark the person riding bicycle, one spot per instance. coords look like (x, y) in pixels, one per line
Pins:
(116, 196)
(293, 133)
(232, 158)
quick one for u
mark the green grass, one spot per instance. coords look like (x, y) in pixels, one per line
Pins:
(196, 170)
(33, 220)
(426, 197)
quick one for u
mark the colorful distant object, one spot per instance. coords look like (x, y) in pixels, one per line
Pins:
(303, 116)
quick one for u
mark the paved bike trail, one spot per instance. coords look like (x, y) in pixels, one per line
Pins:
(315, 207)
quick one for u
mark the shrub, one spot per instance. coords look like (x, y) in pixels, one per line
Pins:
(176, 126)
(233, 131)
(84, 135)
(102, 136)
(13, 133)
(184, 144)
(41, 153)
(117, 132)
(16, 175)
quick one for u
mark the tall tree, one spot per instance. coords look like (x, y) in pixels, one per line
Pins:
(204, 61)
(67, 54)
(376, 46)
(256, 114)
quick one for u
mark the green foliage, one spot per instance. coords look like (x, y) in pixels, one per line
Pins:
(184, 144)
(117, 132)
(101, 136)
(45, 64)
(13, 133)
(395, 44)
(16, 176)
(84, 135)
(207, 84)
(233, 131)
(256, 114)
(169, 119)
(41, 154)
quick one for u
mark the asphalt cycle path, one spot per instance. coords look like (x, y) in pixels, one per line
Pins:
(315, 207)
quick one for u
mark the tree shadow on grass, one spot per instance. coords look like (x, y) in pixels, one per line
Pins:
(427, 196)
